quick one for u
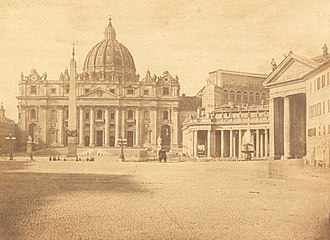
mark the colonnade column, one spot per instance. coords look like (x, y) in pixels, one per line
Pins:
(257, 143)
(91, 128)
(271, 129)
(230, 143)
(116, 126)
(261, 145)
(240, 143)
(60, 127)
(195, 143)
(81, 126)
(138, 129)
(106, 128)
(286, 127)
(209, 143)
(123, 122)
(222, 152)
(266, 143)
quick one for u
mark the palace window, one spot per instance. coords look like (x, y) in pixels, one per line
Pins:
(251, 97)
(232, 96)
(245, 97)
(263, 97)
(166, 91)
(130, 114)
(86, 90)
(323, 81)
(33, 114)
(318, 83)
(99, 114)
(33, 90)
(112, 90)
(239, 96)
(225, 96)
(165, 115)
(146, 92)
(257, 97)
(67, 114)
(53, 91)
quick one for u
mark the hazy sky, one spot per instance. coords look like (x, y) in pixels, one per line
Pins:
(189, 38)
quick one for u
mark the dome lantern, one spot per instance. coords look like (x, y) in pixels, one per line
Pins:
(110, 32)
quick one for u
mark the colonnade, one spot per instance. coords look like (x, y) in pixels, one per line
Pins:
(228, 143)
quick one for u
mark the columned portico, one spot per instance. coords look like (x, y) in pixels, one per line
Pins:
(91, 128)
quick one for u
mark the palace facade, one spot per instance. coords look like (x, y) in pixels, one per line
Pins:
(7, 128)
(113, 102)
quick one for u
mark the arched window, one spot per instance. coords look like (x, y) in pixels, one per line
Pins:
(251, 98)
(130, 114)
(257, 97)
(232, 96)
(239, 96)
(225, 96)
(99, 114)
(263, 97)
(112, 115)
(165, 115)
(33, 114)
(245, 97)
(146, 115)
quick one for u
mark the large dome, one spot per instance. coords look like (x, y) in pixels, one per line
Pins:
(109, 55)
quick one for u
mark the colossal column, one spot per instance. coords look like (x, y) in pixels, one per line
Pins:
(117, 126)
(286, 127)
(91, 128)
(257, 143)
(106, 127)
(72, 125)
(230, 143)
(239, 143)
(262, 145)
(138, 130)
(81, 126)
(222, 152)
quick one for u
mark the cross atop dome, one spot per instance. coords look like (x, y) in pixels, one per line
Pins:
(110, 32)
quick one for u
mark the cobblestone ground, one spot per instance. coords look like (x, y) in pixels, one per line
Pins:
(186, 200)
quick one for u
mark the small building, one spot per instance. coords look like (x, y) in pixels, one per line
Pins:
(7, 127)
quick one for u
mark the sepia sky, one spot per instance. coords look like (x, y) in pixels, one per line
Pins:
(189, 38)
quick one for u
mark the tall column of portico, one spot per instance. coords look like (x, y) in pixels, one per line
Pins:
(209, 143)
(266, 143)
(117, 126)
(81, 126)
(138, 127)
(271, 129)
(286, 127)
(257, 143)
(60, 126)
(195, 143)
(91, 128)
(240, 143)
(230, 143)
(261, 145)
(106, 127)
(222, 142)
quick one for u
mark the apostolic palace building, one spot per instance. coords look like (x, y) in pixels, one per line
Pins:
(113, 101)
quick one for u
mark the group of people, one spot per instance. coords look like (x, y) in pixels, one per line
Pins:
(77, 159)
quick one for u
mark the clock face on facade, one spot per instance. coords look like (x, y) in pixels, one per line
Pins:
(166, 80)
(34, 77)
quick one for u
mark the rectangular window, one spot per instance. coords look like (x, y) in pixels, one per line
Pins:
(112, 91)
(53, 91)
(323, 107)
(129, 91)
(328, 80)
(318, 83)
(112, 115)
(166, 91)
(86, 90)
(33, 90)
(87, 116)
(67, 90)
(146, 92)
(323, 81)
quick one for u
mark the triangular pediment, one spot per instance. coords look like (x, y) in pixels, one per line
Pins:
(292, 68)
(98, 93)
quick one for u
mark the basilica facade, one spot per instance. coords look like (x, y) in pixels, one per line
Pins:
(113, 102)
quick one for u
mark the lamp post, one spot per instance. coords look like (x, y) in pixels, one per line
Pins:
(122, 142)
(11, 138)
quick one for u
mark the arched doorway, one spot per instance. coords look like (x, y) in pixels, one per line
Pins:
(165, 135)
